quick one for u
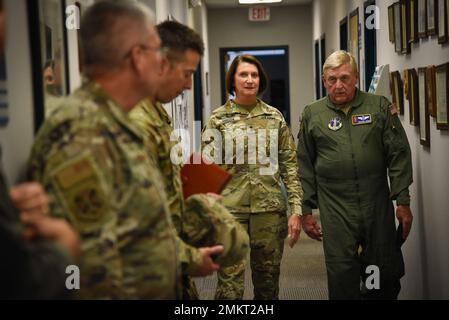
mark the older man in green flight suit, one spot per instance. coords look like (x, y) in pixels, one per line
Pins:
(349, 143)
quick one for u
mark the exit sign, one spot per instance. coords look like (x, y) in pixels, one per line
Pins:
(259, 14)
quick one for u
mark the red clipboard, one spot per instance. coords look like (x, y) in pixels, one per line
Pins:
(202, 177)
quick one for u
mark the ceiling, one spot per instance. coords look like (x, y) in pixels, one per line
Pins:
(235, 3)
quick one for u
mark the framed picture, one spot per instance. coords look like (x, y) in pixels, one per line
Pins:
(422, 18)
(413, 21)
(431, 91)
(412, 96)
(397, 27)
(397, 91)
(354, 36)
(391, 23)
(432, 17)
(49, 55)
(442, 96)
(405, 26)
(442, 21)
(447, 18)
(424, 121)
(4, 112)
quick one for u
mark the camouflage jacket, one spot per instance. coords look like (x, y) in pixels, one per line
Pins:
(157, 126)
(93, 162)
(252, 137)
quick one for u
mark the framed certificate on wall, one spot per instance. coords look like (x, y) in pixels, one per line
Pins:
(442, 96)
(442, 21)
(432, 17)
(397, 27)
(413, 96)
(49, 53)
(397, 91)
(405, 26)
(391, 23)
(413, 18)
(422, 18)
(431, 91)
(424, 121)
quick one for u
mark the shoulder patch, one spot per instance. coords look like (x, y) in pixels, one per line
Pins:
(81, 189)
(75, 173)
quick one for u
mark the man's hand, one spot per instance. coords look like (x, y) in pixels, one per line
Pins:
(311, 227)
(405, 217)
(57, 230)
(294, 229)
(31, 200)
(33, 204)
(215, 196)
(208, 266)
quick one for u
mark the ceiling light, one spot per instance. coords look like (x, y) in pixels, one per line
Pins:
(258, 1)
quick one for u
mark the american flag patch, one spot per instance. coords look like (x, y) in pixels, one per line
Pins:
(393, 109)
(362, 119)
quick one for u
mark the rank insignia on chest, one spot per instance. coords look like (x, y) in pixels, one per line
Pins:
(335, 124)
(362, 119)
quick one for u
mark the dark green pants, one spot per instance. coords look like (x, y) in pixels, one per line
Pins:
(358, 234)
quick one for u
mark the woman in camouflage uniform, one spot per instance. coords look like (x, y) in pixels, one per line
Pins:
(254, 194)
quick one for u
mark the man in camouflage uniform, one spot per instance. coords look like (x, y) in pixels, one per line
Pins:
(93, 161)
(348, 143)
(254, 194)
(194, 221)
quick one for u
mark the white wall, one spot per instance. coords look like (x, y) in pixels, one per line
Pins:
(290, 25)
(17, 137)
(426, 251)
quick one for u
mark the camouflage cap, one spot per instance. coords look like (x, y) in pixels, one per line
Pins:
(206, 222)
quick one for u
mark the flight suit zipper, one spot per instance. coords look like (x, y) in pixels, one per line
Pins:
(348, 123)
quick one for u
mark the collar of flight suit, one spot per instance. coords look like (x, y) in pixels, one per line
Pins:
(355, 103)
(104, 99)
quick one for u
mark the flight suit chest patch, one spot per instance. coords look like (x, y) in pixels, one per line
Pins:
(335, 124)
(362, 119)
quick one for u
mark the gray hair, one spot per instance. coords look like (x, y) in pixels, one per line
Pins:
(109, 29)
(339, 58)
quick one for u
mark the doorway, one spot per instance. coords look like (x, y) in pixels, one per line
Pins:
(344, 34)
(275, 63)
(370, 47)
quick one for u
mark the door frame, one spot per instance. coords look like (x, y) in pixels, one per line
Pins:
(258, 48)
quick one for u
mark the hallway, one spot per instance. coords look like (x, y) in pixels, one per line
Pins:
(303, 274)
